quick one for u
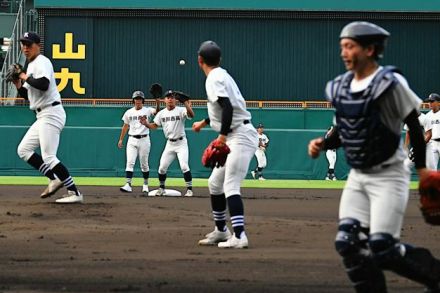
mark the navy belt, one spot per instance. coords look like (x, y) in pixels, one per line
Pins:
(139, 136)
(174, 140)
(246, 122)
(53, 104)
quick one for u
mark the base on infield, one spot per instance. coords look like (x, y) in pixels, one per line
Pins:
(168, 192)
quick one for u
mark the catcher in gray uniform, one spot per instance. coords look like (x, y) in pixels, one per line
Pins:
(371, 104)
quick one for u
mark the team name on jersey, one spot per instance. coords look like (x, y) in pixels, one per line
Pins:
(262, 140)
(170, 118)
(136, 118)
(436, 121)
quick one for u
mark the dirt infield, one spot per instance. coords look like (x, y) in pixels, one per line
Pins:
(127, 243)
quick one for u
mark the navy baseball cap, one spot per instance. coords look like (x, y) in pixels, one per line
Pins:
(169, 93)
(30, 38)
(210, 50)
(433, 98)
(138, 94)
(260, 125)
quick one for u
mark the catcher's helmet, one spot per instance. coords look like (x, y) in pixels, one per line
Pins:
(210, 52)
(366, 33)
(434, 97)
(138, 94)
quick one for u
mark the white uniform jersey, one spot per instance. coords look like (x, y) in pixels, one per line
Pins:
(38, 68)
(220, 84)
(424, 122)
(434, 120)
(132, 117)
(172, 122)
(263, 140)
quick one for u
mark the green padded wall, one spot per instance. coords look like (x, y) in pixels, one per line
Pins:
(89, 142)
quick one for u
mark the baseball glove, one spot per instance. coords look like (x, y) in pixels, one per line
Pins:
(13, 72)
(156, 90)
(215, 155)
(429, 189)
(181, 97)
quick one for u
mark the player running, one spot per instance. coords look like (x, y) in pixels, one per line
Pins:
(39, 87)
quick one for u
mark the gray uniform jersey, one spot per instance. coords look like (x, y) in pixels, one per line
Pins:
(378, 196)
(395, 106)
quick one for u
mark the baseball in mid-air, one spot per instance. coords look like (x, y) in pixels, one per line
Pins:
(182, 62)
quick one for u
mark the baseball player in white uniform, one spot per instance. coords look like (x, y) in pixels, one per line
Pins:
(227, 116)
(433, 118)
(425, 124)
(331, 159)
(172, 120)
(260, 153)
(138, 139)
(371, 103)
(39, 87)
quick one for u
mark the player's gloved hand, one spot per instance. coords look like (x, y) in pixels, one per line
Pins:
(13, 72)
(429, 189)
(180, 96)
(156, 90)
(215, 154)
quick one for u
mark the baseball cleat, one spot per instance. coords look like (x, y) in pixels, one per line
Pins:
(52, 188)
(261, 178)
(71, 197)
(145, 188)
(161, 192)
(253, 174)
(216, 236)
(126, 188)
(189, 192)
(235, 242)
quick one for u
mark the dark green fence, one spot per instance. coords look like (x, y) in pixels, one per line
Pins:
(89, 143)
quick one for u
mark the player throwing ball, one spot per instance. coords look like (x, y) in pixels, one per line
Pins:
(172, 119)
(371, 103)
(227, 116)
(39, 87)
(139, 139)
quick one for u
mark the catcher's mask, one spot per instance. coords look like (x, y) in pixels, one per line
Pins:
(366, 33)
(138, 95)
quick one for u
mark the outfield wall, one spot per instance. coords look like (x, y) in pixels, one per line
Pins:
(89, 143)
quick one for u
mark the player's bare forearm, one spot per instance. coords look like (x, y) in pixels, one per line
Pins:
(189, 109)
(197, 126)
(122, 135)
(222, 139)
(157, 106)
(428, 135)
(315, 147)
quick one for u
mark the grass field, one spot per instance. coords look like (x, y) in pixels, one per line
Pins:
(116, 181)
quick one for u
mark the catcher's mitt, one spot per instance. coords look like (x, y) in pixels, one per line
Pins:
(181, 97)
(429, 189)
(156, 90)
(13, 72)
(215, 155)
